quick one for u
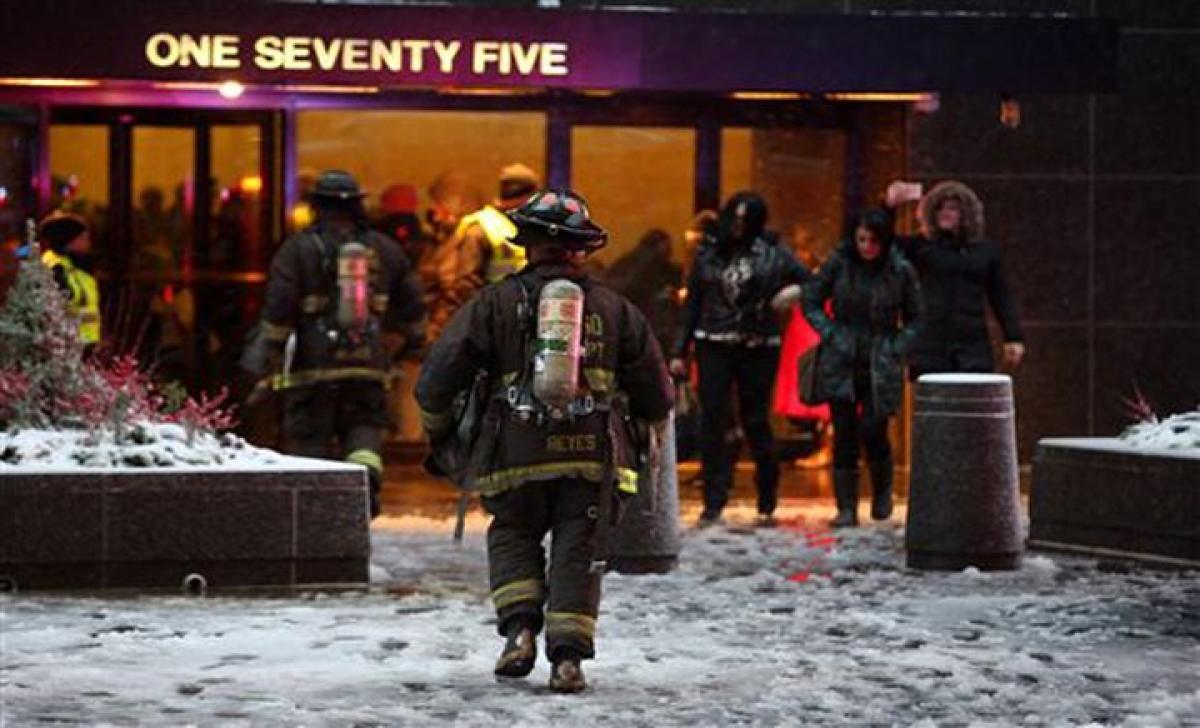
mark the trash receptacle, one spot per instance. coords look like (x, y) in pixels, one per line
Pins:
(647, 539)
(964, 499)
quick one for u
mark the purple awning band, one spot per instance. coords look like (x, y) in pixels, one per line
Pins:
(685, 52)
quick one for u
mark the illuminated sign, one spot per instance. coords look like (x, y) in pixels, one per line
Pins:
(366, 55)
(353, 46)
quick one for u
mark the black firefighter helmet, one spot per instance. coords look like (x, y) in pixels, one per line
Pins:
(560, 217)
(335, 186)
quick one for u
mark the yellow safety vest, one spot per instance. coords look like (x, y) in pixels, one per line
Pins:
(506, 257)
(84, 295)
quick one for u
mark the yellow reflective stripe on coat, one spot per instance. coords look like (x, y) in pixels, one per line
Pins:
(509, 478)
(515, 592)
(506, 257)
(571, 623)
(275, 332)
(369, 458)
(314, 304)
(599, 380)
(436, 421)
(309, 377)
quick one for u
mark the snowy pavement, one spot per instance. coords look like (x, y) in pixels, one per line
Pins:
(785, 627)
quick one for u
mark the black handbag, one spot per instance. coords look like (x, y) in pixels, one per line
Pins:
(808, 375)
(687, 423)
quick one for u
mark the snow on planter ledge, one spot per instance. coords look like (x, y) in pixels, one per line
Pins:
(1179, 433)
(1137, 496)
(81, 511)
(145, 445)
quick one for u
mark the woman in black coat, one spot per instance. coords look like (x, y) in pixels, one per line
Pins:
(877, 306)
(739, 282)
(962, 273)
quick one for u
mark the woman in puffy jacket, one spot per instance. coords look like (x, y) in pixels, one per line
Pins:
(876, 307)
(962, 274)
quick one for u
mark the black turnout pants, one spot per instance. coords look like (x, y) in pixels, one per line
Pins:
(566, 598)
(339, 421)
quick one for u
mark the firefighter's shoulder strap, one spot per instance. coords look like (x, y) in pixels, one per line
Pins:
(522, 387)
(327, 253)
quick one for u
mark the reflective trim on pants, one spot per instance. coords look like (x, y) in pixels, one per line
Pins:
(515, 592)
(570, 629)
(371, 459)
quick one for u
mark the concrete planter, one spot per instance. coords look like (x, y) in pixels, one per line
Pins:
(1100, 496)
(153, 528)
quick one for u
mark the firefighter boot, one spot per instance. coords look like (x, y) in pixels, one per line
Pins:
(566, 675)
(881, 489)
(519, 654)
(845, 493)
(375, 484)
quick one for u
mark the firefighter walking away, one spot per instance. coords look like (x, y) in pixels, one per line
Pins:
(342, 306)
(573, 374)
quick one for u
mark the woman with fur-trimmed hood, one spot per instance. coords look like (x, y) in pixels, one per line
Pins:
(960, 270)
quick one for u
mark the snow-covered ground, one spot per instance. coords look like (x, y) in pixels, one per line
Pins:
(784, 627)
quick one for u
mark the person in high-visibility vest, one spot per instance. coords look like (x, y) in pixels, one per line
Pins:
(67, 240)
(484, 251)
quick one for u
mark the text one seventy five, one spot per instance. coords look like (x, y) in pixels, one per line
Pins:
(307, 53)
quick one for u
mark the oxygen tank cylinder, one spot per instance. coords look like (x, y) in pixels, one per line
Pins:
(353, 277)
(559, 333)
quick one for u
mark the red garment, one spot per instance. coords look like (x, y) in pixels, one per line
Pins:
(798, 338)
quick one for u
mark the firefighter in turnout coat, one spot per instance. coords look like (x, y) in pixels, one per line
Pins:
(570, 368)
(342, 305)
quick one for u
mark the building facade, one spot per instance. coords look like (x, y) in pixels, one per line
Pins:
(188, 133)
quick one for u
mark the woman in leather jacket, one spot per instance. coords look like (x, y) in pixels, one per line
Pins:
(739, 282)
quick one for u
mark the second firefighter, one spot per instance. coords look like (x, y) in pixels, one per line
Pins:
(342, 304)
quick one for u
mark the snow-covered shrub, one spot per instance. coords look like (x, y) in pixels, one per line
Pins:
(48, 382)
(45, 381)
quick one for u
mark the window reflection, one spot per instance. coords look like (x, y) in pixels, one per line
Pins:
(801, 173)
(162, 254)
(236, 205)
(635, 179)
(423, 171)
(17, 137)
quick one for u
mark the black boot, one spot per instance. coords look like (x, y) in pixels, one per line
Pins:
(519, 654)
(881, 489)
(708, 518)
(845, 493)
(375, 485)
(566, 675)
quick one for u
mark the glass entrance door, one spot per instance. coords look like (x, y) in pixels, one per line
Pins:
(185, 208)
